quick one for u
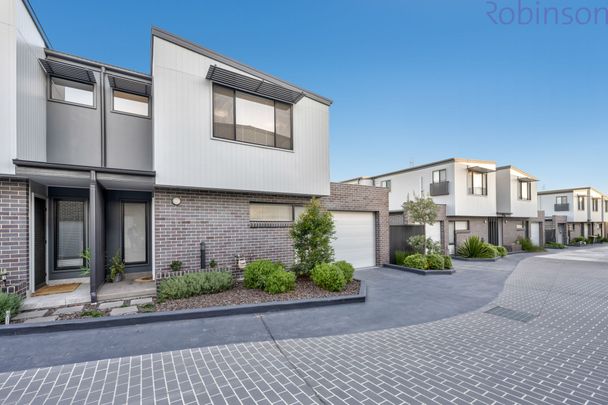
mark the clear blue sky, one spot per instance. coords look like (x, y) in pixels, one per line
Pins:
(412, 81)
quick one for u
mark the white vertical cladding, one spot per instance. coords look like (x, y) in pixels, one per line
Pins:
(520, 208)
(412, 183)
(503, 191)
(473, 205)
(185, 154)
(595, 216)
(8, 88)
(582, 214)
(31, 88)
(546, 202)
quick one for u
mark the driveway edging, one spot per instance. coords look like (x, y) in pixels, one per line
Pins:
(185, 314)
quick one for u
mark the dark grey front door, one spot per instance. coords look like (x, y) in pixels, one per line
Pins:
(39, 242)
(493, 230)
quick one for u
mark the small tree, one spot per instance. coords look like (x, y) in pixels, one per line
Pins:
(422, 210)
(312, 233)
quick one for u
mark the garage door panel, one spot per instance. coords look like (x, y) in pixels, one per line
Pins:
(355, 238)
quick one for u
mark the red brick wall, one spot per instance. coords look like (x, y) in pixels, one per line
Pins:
(14, 236)
(221, 220)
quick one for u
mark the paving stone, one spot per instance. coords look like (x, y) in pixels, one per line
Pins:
(111, 304)
(123, 311)
(69, 310)
(31, 314)
(42, 319)
(142, 301)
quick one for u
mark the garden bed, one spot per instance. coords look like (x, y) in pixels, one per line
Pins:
(478, 259)
(420, 271)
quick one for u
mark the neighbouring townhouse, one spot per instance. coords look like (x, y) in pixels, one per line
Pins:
(473, 197)
(204, 159)
(574, 212)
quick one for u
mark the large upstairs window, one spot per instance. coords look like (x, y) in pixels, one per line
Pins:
(245, 117)
(525, 190)
(72, 92)
(580, 202)
(478, 183)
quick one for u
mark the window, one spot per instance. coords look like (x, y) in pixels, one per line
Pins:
(525, 190)
(297, 211)
(69, 233)
(478, 183)
(580, 202)
(271, 212)
(134, 232)
(72, 92)
(439, 176)
(595, 204)
(562, 199)
(461, 225)
(130, 103)
(252, 119)
(386, 183)
(605, 205)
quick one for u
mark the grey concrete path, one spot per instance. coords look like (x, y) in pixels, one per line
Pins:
(394, 299)
(557, 354)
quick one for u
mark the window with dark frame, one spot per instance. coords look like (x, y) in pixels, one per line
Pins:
(72, 92)
(386, 184)
(70, 233)
(439, 176)
(562, 199)
(249, 118)
(595, 204)
(478, 183)
(134, 232)
(580, 202)
(461, 225)
(130, 103)
(525, 190)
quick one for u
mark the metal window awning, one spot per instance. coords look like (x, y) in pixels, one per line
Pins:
(527, 179)
(479, 169)
(130, 86)
(256, 86)
(67, 71)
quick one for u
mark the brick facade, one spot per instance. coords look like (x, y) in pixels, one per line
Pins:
(221, 220)
(14, 234)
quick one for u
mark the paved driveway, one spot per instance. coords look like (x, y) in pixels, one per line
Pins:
(394, 299)
(557, 354)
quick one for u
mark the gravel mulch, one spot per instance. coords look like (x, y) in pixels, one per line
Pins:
(239, 295)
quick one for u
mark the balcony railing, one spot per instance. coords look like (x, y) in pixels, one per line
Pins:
(442, 188)
(561, 207)
(478, 191)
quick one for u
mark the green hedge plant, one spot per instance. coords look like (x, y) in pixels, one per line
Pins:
(416, 261)
(555, 245)
(9, 302)
(257, 272)
(347, 270)
(328, 277)
(528, 246)
(502, 251)
(447, 262)
(194, 284)
(435, 262)
(280, 281)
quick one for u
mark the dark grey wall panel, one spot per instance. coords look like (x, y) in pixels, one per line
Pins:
(128, 138)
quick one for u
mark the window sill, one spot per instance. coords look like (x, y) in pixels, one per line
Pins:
(269, 224)
(255, 145)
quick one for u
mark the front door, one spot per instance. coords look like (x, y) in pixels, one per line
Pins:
(39, 242)
(493, 231)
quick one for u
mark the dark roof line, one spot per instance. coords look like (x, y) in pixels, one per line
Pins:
(97, 64)
(184, 43)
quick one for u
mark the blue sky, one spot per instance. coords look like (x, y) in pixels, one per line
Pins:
(412, 81)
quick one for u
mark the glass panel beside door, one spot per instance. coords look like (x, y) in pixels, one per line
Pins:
(134, 232)
(70, 233)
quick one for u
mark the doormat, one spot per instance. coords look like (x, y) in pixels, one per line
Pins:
(56, 289)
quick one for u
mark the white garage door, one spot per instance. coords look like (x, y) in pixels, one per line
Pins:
(535, 233)
(355, 238)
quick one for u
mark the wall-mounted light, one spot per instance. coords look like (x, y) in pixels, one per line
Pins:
(176, 201)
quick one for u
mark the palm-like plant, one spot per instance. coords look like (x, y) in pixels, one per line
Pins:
(474, 247)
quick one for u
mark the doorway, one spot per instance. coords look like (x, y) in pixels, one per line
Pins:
(39, 242)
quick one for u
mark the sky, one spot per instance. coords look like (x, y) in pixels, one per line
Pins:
(412, 81)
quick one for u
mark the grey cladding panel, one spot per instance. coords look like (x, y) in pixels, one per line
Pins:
(251, 85)
(129, 86)
(67, 71)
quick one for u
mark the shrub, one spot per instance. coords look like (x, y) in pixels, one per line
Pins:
(194, 284)
(474, 247)
(312, 233)
(347, 270)
(257, 271)
(447, 262)
(528, 246)
(502, 251)
(92, 313)
(416, 261)
(328, 277)
(421, 244)
(280, 281)
(435, 262)
(176, 265)
(400, 256)
(9, 302)
(579, 240)
(555, 245)
(591, 240)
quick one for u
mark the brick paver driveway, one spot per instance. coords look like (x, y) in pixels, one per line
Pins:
(544, 340)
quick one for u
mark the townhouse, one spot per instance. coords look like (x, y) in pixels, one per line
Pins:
(473, 197)
(574, 212)
(203, 159)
